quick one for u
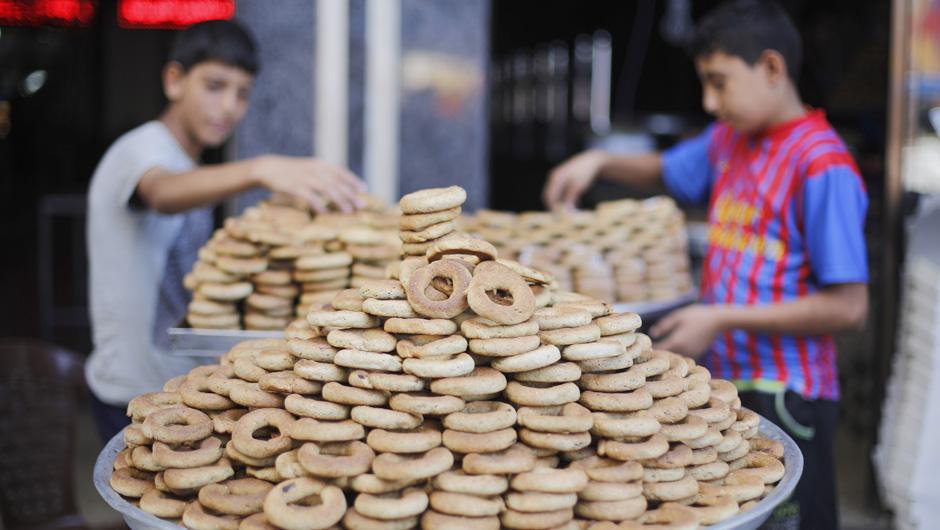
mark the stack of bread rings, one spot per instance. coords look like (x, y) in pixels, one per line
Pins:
(464, 391)
(624, 251)
(274, 262)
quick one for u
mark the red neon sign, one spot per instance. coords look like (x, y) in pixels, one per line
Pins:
(46, 12)
(171, 14)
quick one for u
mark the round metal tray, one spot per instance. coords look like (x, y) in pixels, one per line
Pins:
(138, 519)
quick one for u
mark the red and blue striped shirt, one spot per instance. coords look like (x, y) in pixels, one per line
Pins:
(786, 214)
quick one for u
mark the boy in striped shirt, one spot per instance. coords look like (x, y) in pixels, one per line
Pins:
(786, 261)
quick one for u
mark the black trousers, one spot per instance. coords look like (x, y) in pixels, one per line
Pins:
(812, 425)
(109, 419)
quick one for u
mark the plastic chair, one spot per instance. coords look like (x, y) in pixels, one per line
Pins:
(41, 387)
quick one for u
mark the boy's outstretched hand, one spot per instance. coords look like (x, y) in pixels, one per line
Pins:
(317, 182)
(567, 182)
(689, 331)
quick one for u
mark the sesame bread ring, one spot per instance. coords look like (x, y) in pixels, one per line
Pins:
(622, 425)
(131, 482)
(639, 399)
(223, 321)
(516, 459)
(123, 459)
(353, 520)
(432, 200)
(288, 382)
(552, 318)
(678, 456)
(705, 455)
(256, 420)
(315, 408)
(747, 420)
(173, 384)
(309, 429)
(341, 319)
(257, 521)
(739, 487)
(389, 308)
(611, 491)
(458, 244)
(457, 481)
(420, 326)
(546, 480)
(395, 505)
(275, 360)
(529, 274)
(761, 465)
(367, 360)
(570, 418)
(569, 336)
(709, 509)
(667, 518)
(207, 452)
(611, 510)
(369, 483)
(427, 234)
(653, 447)
(723, 390)
(235, 497)
(283, 506)
(671, 491)
(711, 437)
(162, 504)
(555, 441)
(730, 440)
(535, 521)
(225, 292)
(597, 308)
(349, 395)
(618, 323)
(222, 380)
(431, 346)
(456, 302)
(697, 395)
(382, 418)
(197, 518)
(433, 520)
(627, 339)
(177, 425)
(465, 505)
(482, 417)
(374, 340)
(335, 460)
(324, 372)
(481, 380)
(504, 347)
(418, 440)
(196, 477)
(482, 328)
(469, 442)
(235, 455)
(288, 466)
(623, 381)
(317, 349)
(141, 406)
(663, 475)
(600, 349)
(540, 357)
(611, 364)
(426, 403)
(669, 410)
(321, 275)
(420, 221)
(348, 300)
(386, 381)
(766, 445)
(323, 261)
(456, 366)
(652, 363)
(540, 502)
(390, 466)
(534, 396)
(495, 277)
(710, 471)
(690, 428)
(382, 289)
(556, 373)
(600, 469)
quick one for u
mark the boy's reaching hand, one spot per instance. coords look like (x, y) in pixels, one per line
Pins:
(689, 331)
(316, 182)
(567, 182)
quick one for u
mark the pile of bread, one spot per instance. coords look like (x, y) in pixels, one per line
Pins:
(624, 251)
(274, 262)
(464, 391)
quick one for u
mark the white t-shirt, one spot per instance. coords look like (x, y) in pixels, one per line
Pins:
(136, 260)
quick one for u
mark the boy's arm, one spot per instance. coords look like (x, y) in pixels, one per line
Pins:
(567, 182)
(313, 180)
(834, 308)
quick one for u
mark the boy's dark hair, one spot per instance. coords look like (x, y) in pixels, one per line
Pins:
(746, 28)
(216, 40)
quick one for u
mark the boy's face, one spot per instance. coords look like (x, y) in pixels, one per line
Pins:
(212, 98)
(733, 91)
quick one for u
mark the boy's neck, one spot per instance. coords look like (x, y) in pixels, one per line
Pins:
(174, 123)
(791, 108)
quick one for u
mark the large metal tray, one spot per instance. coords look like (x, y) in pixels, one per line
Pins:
(138, 519)
(211, 343)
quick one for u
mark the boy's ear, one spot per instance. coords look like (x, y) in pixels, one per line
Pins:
(173, 75)
(775, 65)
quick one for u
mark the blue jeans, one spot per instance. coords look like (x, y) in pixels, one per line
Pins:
(109, 419)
